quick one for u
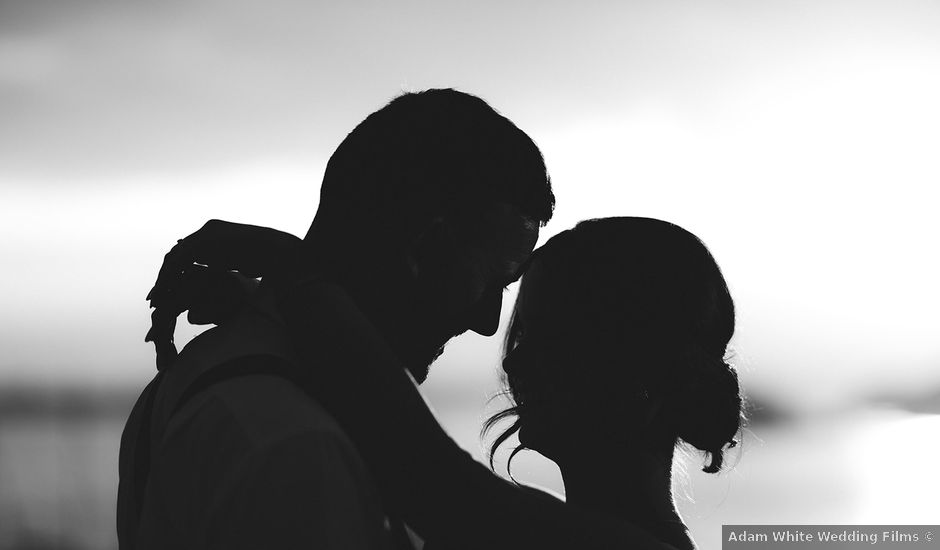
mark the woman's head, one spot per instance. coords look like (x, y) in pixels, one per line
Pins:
(620, 333)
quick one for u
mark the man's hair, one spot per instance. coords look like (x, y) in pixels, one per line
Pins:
(439, 152)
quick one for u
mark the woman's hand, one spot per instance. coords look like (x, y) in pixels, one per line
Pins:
(211, 273)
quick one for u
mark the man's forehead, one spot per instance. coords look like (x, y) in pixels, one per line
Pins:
(503, 222)
(517, 253)
(506, 238)
(516, 269)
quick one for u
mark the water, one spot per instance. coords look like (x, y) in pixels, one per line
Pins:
(58, 482)
(58, 476)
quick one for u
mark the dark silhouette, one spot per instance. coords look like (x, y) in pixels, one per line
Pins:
(615, 351)
(428, 209)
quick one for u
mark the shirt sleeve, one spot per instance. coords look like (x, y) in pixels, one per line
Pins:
(302, 492)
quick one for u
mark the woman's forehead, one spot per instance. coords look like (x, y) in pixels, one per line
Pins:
(531, 292)
(548, 299)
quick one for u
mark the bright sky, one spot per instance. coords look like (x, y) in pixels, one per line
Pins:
(798, 139)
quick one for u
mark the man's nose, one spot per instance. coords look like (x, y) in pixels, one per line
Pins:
(485, 318)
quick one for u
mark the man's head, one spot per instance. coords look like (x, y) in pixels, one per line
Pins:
(428, 209)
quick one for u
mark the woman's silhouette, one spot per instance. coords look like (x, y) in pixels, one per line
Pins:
(615, 352)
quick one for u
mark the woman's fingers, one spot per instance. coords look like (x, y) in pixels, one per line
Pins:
(168, 301)
(175, 263)
(220, 296)
(210, 295)
(225, 246)
(200, 247)
(163, 326)
(197, 275)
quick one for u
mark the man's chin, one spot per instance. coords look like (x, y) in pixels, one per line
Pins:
(419, 374)
(420, 368)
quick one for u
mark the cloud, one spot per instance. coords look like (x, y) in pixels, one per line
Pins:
(796, 138)
(97, 89)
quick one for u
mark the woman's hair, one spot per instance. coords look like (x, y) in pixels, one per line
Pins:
(654, 320)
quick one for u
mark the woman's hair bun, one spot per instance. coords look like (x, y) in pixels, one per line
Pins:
(710, 410)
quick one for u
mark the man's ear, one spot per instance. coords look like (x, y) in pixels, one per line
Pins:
(429, 247)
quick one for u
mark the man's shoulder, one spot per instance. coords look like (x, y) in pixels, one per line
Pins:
(263, 407)
(242, 378)
(246, 454)
(253, 425)
(242, 446)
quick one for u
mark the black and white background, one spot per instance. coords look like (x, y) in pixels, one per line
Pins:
(799, 139)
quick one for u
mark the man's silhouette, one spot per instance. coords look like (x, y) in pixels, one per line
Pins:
(427, 210)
